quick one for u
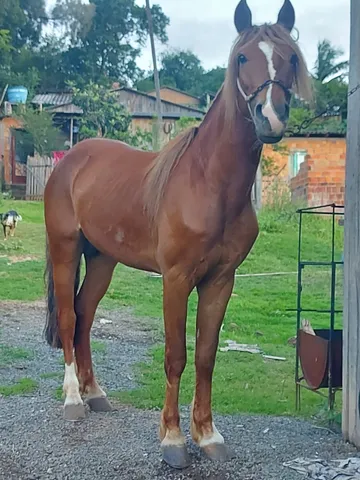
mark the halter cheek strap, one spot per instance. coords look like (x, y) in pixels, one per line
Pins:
(249, 98)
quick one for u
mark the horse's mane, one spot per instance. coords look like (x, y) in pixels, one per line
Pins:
(161, 168)
(165, 163)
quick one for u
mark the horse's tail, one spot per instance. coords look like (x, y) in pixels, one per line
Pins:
(51, 329)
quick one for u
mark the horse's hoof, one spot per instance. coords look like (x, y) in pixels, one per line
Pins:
(176, 456)
(74, 413)
(218, 452)
(99, 404)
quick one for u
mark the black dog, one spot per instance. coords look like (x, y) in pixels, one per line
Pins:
(9, 221)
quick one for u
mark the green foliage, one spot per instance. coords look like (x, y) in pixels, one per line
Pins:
(104, 117)
(269, 167)
(5, 39)
(44, 135)
(327, 64)
(105, 37)
(24, 20)
(100, 41)
(183, 124)
(183, 70)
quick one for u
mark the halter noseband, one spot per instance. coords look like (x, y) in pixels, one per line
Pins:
(249, 98)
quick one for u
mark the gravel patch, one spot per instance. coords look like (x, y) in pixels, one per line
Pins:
(36, 443)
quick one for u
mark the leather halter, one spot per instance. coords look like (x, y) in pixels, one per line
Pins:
(249, 98)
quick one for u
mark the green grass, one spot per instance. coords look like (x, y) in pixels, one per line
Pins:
(10, 355)
(97, 346)
(23, 386)
(242, 382)
(58, 393)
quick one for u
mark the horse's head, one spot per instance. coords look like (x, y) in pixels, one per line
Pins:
(265, 67)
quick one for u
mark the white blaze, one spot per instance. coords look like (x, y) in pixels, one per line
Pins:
(268, 109)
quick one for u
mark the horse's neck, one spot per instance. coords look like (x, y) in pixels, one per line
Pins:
(230, 154)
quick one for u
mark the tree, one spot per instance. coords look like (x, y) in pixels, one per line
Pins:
(5, 45)
(329, 76)
(40, 129)
(101, 36)
(327, 65)
(24, 19)
(104, 117)
(212, 80)
(181, 69)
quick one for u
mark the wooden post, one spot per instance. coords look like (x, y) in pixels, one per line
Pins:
(156, 78)
(71, 132)
(351, 327)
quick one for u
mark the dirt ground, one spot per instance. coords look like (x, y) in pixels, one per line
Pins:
(36, 443)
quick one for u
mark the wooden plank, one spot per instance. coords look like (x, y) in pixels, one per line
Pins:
(38, 173)
(351, 328)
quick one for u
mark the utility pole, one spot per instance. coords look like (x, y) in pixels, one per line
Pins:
(157, 143)
(351, 326)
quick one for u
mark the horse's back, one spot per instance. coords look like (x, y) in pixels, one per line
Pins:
(97, 161)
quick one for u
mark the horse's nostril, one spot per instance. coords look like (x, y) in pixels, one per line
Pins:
(287, 111)
(258, 111)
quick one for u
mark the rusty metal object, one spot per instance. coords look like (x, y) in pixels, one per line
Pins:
(314, 353)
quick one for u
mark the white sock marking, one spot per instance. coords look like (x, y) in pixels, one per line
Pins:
(95, 391)
(71, 386)
(215, 437)
(173, 439)
(268, 109)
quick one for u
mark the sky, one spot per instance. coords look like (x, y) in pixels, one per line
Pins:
(206, 26)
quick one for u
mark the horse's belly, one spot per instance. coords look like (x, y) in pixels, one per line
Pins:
(124, 245)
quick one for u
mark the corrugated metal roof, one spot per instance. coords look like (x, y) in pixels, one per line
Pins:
(52, 98)
(61, 103)
(168, 115)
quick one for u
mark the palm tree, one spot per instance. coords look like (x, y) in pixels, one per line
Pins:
(327, 66)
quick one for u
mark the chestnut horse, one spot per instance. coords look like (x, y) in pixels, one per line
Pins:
(184, 212)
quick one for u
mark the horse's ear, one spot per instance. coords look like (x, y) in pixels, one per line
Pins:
(286, 16)
(242, 18)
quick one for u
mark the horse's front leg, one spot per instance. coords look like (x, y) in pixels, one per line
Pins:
(175, 297)
(214, 294)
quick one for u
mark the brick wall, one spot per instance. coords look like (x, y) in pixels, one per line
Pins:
(321, 178)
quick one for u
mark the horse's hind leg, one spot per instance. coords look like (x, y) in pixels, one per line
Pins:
(65, 259)
(99, 270)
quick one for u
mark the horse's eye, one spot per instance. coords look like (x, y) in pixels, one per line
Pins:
(242, 59)
(294, 60)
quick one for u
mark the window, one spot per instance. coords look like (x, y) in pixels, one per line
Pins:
(297, 157)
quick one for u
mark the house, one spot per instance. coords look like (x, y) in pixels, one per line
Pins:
(66, 114)
(142, 107)
(14, 149)
(174, 95)
(310, 166)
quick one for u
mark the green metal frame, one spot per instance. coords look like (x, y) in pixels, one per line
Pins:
(333, 210)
